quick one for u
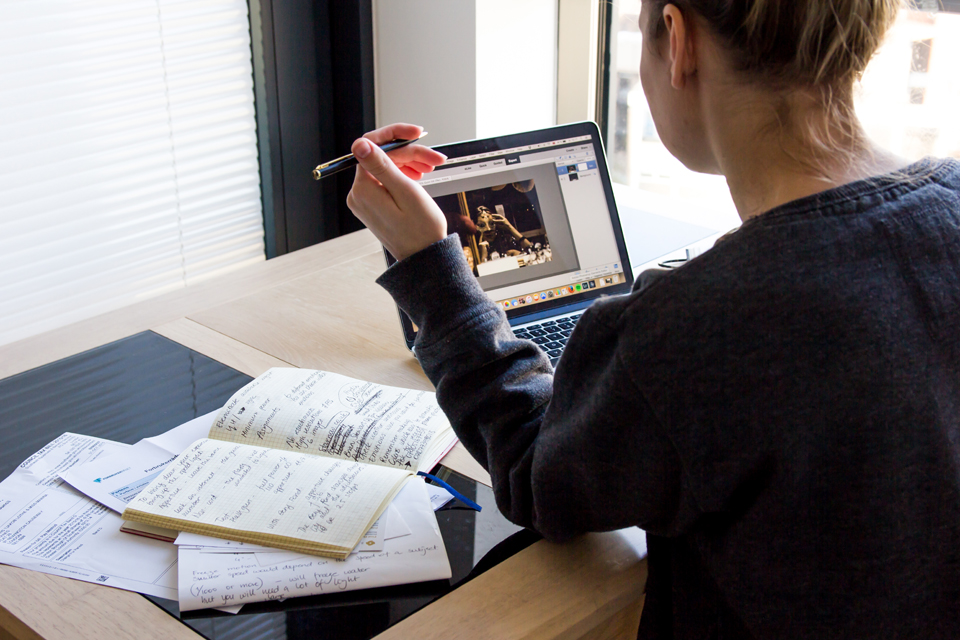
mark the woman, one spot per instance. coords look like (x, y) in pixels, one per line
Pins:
(781, 414)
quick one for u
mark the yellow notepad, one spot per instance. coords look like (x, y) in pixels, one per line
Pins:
(298, 459)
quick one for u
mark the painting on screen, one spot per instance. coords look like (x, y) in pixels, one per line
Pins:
(500, 227)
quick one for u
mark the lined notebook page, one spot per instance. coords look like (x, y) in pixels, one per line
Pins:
(332, 415)
(276, 498)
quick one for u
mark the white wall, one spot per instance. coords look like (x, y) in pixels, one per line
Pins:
(425, 66)
(578, 28)
(516, 65)
(466, 68)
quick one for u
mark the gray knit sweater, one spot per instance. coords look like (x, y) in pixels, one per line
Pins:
(781, 415)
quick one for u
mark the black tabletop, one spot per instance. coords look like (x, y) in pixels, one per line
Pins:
(146, 384)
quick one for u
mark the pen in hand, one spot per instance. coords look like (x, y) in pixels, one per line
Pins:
(347, 161)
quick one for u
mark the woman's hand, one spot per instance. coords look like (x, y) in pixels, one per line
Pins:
(385, 197)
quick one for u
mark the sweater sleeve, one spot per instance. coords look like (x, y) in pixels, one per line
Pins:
(567, 453)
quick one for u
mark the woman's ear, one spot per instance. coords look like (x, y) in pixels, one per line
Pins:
(683, 54)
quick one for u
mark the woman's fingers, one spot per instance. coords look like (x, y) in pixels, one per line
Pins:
(410, 153)
(417, 153)
(419, 158)
(386, 198)
(369, 199)
(412, 169)
(411, 173)
(421, 167)
(398, 131)
(373, 159)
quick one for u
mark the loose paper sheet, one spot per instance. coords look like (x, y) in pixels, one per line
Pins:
(115, 480)
(217, 579)
(438, 496)
(332, 415)
(47, 526)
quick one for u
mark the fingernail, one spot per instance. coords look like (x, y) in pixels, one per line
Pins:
(363, 149)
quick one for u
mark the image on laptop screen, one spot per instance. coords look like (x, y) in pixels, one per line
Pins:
(536, 219)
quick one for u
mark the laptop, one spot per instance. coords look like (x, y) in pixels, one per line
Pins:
(538, 225)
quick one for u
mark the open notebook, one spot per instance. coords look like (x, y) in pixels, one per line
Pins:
(298, 459)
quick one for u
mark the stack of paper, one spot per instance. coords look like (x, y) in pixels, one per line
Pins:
(48, 525)
(211, 575)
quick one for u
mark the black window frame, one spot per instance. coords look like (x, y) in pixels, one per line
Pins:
(314, 95)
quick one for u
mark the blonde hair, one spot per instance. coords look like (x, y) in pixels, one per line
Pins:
(794, 42)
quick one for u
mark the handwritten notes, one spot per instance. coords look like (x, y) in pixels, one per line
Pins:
(224, 579)
(277, 498)
(331, 415)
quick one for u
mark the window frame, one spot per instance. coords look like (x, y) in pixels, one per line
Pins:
(314, 95)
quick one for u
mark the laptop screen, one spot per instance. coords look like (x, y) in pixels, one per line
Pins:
(536, 218)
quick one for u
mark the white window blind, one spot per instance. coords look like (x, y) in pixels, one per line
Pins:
(128, 155)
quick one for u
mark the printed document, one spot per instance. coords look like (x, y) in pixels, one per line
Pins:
(115, 480)
(47, 526)
(214, 578)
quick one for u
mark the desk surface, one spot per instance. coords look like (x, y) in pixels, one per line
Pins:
(320, 308)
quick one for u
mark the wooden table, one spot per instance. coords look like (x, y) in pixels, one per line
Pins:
(320, 308)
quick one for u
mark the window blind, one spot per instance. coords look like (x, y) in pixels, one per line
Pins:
(128, 154)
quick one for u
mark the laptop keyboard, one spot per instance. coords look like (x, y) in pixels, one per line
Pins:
(550, 335)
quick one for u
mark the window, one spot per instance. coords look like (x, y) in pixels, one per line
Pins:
(919, 66)
(907, 100)
(132, 147)
(129, 154)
